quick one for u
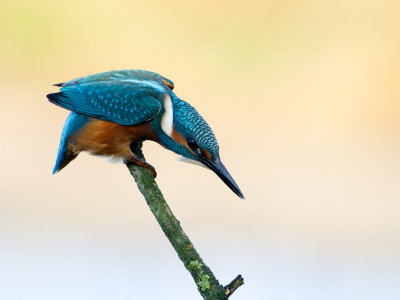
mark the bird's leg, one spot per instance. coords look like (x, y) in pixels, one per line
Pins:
(138, 161)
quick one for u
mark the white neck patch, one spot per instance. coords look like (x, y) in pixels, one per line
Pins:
(192, 161)
(168, 117)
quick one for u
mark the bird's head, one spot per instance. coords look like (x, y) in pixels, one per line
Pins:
(185, 132)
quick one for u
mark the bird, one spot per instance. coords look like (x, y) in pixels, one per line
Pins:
(112, 112)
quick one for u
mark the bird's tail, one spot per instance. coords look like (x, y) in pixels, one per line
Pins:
(73, 123)
(60, 99)
(63, 159)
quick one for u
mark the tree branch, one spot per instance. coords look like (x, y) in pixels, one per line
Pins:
(231, 288)
(207, 284)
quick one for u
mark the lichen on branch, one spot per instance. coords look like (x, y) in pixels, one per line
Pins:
(206, 282)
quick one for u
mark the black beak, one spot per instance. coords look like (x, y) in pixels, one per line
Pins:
(223, 173)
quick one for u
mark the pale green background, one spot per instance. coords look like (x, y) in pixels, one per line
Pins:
(304, 99)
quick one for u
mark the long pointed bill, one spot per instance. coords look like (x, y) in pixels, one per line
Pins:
(223, 173)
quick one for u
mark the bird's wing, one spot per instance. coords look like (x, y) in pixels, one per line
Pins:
(122, 102)
(137, 75)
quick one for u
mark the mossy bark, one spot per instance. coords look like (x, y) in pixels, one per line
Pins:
(207, 284)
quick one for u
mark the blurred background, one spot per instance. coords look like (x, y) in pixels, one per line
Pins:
(303, 97)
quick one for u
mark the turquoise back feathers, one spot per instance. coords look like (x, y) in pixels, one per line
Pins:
(135, 100)
(132, 97)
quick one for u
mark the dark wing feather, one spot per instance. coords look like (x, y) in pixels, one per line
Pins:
(125, 103)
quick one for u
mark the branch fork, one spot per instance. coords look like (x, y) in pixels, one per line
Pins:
(207, 283)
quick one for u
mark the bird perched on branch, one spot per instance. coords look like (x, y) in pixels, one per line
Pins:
(112, 112)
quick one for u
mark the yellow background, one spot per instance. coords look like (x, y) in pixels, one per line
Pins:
(304, 99)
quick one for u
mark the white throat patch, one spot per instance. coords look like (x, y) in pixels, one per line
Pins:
(168, 117)
(191, 161)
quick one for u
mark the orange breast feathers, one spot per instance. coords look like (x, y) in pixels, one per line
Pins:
(109, 139)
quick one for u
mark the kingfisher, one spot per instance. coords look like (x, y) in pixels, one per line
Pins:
(113, 112)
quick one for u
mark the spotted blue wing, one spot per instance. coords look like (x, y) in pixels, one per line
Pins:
(125, 103)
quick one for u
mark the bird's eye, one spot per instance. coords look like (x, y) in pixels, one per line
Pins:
(193, 145)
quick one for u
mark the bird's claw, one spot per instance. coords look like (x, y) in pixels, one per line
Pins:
(140, 162)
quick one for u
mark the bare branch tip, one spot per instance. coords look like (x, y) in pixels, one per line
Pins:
(234, 285)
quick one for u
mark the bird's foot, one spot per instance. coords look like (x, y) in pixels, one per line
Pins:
(140, 162)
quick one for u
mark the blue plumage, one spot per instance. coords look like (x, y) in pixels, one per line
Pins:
(121, 75)
(190, 124)
(126, 103)
(113, 110)
(73, 123)
(193, 125)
